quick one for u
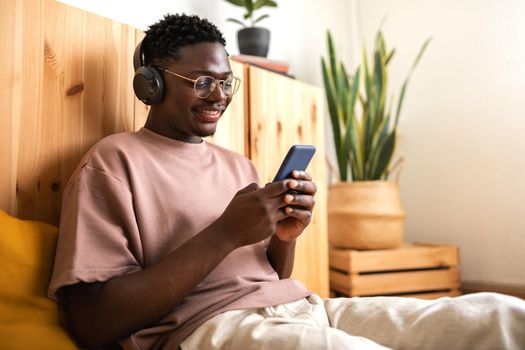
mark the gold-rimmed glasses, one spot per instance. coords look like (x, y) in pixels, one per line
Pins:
(205, 85)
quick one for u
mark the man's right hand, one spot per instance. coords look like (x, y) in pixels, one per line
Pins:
(253, 213)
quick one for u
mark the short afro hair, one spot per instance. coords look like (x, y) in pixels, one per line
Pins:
(164, 38)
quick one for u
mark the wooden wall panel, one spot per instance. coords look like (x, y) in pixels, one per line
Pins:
(9, 103)
(26, 134)
(284, 112)
(68, 77)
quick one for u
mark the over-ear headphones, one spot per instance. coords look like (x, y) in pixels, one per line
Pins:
(147, 82)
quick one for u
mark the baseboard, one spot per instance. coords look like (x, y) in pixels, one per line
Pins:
(503, 288)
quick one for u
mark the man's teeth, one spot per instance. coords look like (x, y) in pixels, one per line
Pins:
(209, 112)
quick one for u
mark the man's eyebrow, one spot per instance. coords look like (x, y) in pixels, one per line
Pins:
(207, 72)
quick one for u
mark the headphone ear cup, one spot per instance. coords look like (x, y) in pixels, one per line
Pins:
(148, 85)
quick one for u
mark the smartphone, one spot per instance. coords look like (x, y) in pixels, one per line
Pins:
(297, 158)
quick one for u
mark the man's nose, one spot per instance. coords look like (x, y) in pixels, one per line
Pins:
(218, 93)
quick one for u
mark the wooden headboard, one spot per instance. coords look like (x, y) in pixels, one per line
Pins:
(66, 83)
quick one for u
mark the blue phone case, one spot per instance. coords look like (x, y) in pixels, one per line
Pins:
(297, 158)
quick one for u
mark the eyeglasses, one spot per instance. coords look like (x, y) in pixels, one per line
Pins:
(205, 85)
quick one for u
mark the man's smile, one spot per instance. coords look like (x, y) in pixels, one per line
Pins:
(208, 114)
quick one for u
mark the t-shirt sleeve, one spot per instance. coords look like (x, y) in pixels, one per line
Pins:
(98, 234)
(252, 173)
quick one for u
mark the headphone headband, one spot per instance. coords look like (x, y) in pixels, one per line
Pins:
(138, 59)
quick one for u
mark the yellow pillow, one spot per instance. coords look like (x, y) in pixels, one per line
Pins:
(28, 319)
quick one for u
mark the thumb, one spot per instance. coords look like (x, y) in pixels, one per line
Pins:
(250, 188)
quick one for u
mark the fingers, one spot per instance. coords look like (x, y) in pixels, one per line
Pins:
(299, 200)
(250, 188)
(302, 186)
(303, 215)
(293, 197)
(281, 215)
(277, 188)
(301, 175)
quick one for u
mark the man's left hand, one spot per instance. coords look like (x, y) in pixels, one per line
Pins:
(299, 205)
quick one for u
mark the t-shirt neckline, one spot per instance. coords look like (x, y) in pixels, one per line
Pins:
(187, 148)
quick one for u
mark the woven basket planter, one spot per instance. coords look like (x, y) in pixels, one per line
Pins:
(365, 215)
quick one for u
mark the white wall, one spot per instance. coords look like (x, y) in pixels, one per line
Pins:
(298, 28)
(463, 126)
(464, 175)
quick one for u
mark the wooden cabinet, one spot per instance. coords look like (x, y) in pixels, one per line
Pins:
(283, 112)
(270, 113)
(67, 82)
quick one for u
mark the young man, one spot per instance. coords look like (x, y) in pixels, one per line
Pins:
(167, 241)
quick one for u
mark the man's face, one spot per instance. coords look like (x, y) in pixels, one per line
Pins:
(182, 115)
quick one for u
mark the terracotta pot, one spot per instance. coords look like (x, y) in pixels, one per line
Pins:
(365, 215)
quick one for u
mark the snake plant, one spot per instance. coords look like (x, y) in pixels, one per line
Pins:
(363, 125)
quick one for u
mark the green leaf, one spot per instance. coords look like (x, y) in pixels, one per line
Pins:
(261, 18)
(380, 44)
(342, 88)
(351, 144)
(400, 101)
(345, 76)
(331, 54)
(385, 152)
(237, 2)
(261, 3)
(236, 21)
(346, 153)
(420, 54)
(403, 88)
(249, 9)
(258, 4)
(383, 81)
(389, 56)
(380, 136)
(368, 115)
(351, 129)
(368, 91)
(249, 5)
(379, 85)
(332, 109)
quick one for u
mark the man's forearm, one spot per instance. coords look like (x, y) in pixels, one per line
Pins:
(100, 313)
(281, 255)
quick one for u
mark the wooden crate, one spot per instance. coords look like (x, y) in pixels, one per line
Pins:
(417, 270)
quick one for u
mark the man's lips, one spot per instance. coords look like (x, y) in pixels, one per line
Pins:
(208, 115)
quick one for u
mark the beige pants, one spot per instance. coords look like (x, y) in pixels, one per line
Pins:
(474, 321)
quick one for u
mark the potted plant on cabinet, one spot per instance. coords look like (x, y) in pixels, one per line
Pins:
(252, 40)
(364, 209)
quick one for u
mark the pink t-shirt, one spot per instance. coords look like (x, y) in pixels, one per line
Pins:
(135, 198)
